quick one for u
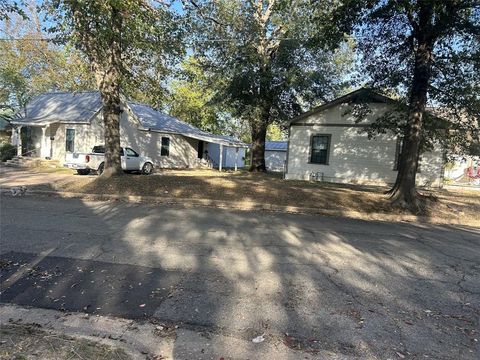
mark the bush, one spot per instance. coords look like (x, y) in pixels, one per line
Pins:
(7, 151)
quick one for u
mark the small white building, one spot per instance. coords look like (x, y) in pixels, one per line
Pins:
(275, 155)
(328, 144)
(54, 124)
(230, 156)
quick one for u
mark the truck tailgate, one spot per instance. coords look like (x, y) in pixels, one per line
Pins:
(75, 160)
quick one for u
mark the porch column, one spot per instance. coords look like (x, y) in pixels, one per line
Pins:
(221, 158)
(43, 143)
(19, 140)
(236, 158)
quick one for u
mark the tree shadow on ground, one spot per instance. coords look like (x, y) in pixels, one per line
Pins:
(350, 287)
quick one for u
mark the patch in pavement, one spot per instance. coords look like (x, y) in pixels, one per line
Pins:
(89, 286)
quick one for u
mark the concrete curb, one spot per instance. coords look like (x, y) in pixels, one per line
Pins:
(242, 206)
(147, 340)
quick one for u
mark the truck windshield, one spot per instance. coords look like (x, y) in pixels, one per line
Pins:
(100, 149)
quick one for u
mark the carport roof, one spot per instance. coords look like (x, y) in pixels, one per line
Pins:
(81, 107)
(275, 145)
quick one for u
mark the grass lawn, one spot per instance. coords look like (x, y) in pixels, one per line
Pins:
(462, 205)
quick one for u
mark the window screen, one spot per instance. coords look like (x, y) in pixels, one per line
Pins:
(320, 148)
(165, 151)
(70, 140)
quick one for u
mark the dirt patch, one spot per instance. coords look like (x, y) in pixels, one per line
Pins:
(453, 206)
(460, 205)
(31, 342)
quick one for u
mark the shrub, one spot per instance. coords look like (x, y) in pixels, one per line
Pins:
(7, 151)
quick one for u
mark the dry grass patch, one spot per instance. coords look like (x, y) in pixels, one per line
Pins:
(244, 187)
(29, 342)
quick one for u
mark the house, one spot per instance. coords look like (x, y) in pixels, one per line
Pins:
(54, 124)
(328, 144)
(5, 131)
(275, 155)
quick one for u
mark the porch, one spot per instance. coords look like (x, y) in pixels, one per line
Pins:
(34, 141)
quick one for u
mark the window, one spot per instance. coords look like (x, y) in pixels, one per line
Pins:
(130, 152)
(320, 149)
(99, 149)
(165, 150)
(70, 140)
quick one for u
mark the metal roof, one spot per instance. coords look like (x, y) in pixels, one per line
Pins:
(65, 107)
(275, 146)
(81, 107)
(4, 124)
(154, 120)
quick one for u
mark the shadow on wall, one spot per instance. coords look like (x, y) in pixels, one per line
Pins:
(352, 156)
(182, 150)
(275, 160)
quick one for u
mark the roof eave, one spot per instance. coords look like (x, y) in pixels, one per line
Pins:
(341, 100)
(215, 141)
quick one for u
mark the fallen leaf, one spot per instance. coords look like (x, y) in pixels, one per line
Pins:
(258, 339)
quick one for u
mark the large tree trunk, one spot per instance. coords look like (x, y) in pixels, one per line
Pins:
(108, 81)
(107, 66)
(404, 192)
(111, 119)
(259, 133)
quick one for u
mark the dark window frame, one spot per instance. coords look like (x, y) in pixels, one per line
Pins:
(68, 148)
(329, 144)
(165, 147)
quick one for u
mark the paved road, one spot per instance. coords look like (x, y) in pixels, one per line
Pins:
(349, 287)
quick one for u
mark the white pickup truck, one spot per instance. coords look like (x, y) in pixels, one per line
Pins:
(84, 163)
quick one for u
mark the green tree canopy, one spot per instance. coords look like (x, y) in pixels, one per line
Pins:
(268, 66)
(129, 45)
(426, 52)
(31, 64)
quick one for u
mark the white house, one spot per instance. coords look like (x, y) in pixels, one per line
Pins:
(327, 144)
(275, 155)
(54, 124)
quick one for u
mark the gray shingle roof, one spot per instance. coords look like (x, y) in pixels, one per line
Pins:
(80, 107)
(275, 145)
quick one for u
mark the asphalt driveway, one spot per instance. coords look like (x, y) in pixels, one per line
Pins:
(351, 287)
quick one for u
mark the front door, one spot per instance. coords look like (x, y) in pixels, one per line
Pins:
(200, 148)
(28, 144)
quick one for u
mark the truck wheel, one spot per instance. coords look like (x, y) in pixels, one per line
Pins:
(100, 168)
(83, 171)
(147, 168)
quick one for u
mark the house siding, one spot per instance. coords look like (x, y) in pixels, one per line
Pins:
(353, 157)
(229, 155)
(275, 160)
(183, 150)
